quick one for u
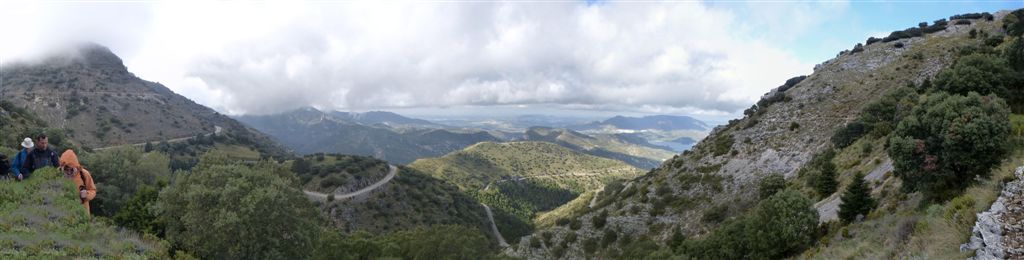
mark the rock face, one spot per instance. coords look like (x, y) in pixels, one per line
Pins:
(997, 234)
(89, 93)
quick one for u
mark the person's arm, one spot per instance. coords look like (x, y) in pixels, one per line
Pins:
(26, 166)
(53, 159)
(16, 164)
(90, 186)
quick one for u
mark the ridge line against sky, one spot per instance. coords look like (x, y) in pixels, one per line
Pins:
(708, 59)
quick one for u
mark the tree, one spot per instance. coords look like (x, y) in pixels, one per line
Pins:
(978, 72)
(226, 209)
(825, 184)
(120, 173)
(948, 140)
(783, 224)
(770, 185)
(137, 212)
(856, 200)
(821, 173)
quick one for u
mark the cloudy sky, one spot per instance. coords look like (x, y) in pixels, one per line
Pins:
(709, 59)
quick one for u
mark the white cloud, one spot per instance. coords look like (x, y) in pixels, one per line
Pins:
(271, 56)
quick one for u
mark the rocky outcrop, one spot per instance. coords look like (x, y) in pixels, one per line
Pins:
(998, 234)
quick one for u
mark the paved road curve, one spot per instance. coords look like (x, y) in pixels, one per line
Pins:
(322, 196)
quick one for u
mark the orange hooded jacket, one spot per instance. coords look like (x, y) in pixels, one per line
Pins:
(82, 177)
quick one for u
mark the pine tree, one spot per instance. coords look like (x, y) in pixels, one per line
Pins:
(856, 200)
(826, 182)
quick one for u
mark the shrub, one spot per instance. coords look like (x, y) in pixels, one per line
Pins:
(982, 73)
(960, 211)
(786, 223)
(872, 40)
(722, 144)
(120, 173)
(857, 48)
(947, 140)
(230, 210)
(771, 185)
(821, 173)
(1014, 23)
(600, 219)
(793, 126)
(848, 134)
(856, 201)
(610, 236)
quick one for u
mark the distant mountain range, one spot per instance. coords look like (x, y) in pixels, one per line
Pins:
(629, 149)
(658, 122)
(309, 130)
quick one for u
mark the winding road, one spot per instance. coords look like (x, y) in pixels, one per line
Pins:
(494, 227)
(323, 196)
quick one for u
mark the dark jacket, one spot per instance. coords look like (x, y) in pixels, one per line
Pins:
(38, 159)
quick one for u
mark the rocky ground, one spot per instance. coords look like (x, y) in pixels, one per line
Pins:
(999, 232)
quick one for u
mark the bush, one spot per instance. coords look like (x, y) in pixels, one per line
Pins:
(771, 185)
(1014, 23)
(848, 134)
(982, 73)
(600, 219)
(821, 173)
(230, 210)
(793, 126)
(872, 40)
(857, 48)
(947, 140)
(780, 226)
(722, 144)
(120, 173)
(856, 201)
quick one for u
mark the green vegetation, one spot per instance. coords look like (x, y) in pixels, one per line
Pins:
(820, 173)
(44, 219)
(409, 200)
(978, 72)
(121, 173)
(435, 242)
(722, 145)
(856, 201)
(779, 226)
(329, 172)
(947, 140)
(611, 146)
(521, 179)
(770, 185)
(225, 209)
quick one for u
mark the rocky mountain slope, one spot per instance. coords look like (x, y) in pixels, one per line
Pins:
(779, 135)
(89, 94)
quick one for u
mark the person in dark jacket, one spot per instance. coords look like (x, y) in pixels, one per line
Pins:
(40, 157)
(19, 159)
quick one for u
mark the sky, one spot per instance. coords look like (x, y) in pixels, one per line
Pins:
(433, 58)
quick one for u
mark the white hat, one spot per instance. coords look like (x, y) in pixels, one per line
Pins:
(28, 143)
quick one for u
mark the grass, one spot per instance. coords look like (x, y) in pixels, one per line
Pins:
(43, 219)
(904, 227)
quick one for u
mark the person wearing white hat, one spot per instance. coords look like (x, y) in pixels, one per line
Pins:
(19, 159)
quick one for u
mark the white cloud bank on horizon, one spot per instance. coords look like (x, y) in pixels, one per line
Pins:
(271, 57)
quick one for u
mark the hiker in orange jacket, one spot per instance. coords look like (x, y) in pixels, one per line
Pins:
(83, 179)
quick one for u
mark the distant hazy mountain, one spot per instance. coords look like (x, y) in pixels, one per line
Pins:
(312, 131)
(629, 149)
(658, 122)
(383, 117)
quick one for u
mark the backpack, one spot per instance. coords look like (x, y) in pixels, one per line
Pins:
(5, 165)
